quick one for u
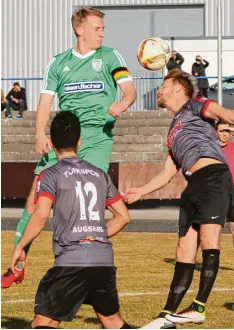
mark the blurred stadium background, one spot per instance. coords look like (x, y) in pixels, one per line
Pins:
(34, 31)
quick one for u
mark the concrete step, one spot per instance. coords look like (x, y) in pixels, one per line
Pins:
(129, 114)
(25, 122)
(121, 131)
(158, 139)
(130, 122)
(125, 147)
(20, 130)
(115, 157)
(20, 157)
(147, 122)
(31, 139)
(27, 114)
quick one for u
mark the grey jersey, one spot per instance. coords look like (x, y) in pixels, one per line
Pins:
(192, 136)
(80, 192)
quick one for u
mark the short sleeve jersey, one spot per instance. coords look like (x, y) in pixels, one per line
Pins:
(193, 136)
(86, 84)
(80, 192)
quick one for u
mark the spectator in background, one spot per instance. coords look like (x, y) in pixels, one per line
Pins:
(224, 134)
(198, 70)
(16, 99)
(175, 61)
(3, 101)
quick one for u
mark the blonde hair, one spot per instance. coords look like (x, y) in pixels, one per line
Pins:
(81, 14)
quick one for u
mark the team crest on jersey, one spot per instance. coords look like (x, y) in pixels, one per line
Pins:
(97, 64)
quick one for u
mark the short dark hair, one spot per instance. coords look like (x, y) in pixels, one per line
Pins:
(16, 84)
(65, 131)
(220, 122)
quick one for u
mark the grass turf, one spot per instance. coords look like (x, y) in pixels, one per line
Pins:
(145, 265)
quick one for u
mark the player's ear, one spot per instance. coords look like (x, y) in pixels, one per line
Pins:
(78, 30)
(178, 88)
(79, 143)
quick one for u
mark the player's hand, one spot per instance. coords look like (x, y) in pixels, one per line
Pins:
(43, 144)
(19, 255)
(116, 109)
(132, 195)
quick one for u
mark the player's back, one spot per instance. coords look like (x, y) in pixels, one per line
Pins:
(80, 192)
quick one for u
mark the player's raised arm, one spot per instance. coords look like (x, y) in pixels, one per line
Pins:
(122, 77)
(43, 113)
(159, 181)
(217, 112)
(48, 90)
(128, 98)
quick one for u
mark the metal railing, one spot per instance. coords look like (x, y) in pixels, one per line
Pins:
(146, 87)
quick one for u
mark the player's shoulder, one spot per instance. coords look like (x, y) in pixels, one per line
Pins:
(109, 51)
(52, 171)
(93, 170)
(202, 99)
(63, 55)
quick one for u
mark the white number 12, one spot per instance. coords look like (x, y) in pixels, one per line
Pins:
(88, 187)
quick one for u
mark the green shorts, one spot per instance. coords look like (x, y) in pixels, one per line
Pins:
(95, 148)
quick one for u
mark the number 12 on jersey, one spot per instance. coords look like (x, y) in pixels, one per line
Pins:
(88, 187)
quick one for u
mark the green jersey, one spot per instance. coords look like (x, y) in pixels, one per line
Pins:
(86, 84)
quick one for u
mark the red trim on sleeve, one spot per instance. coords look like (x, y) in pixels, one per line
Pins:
(113, 200)
(39, 177)
(46, 194)
(207, 103)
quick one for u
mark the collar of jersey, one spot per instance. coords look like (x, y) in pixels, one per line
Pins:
(85, 55)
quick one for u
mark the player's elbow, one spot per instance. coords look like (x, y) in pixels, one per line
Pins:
(42, 215)
(125, 218)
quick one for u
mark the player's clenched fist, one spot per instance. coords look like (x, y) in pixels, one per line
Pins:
(132, 195)
(43, 144)
(116, 108)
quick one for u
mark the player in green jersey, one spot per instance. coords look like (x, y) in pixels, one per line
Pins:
(85, 79)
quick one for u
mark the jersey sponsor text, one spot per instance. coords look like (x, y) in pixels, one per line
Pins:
(86, 86)
(75, 170)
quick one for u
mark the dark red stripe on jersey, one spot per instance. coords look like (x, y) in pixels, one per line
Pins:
(39, 177)
(207, 103)
(113, 200)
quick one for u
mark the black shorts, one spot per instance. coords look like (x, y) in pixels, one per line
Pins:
(230, 215)
(206, 198)
(63, 290)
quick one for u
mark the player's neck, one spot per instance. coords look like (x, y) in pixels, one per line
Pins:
(83, 48)
(65, 154)
(176, 104)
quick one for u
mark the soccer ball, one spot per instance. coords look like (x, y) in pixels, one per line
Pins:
(153, 53)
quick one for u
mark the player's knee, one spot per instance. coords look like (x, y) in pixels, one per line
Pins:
(184, 253)
(40, 320)
(208, 242)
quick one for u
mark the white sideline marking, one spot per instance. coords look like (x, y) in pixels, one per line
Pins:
(125, 294)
